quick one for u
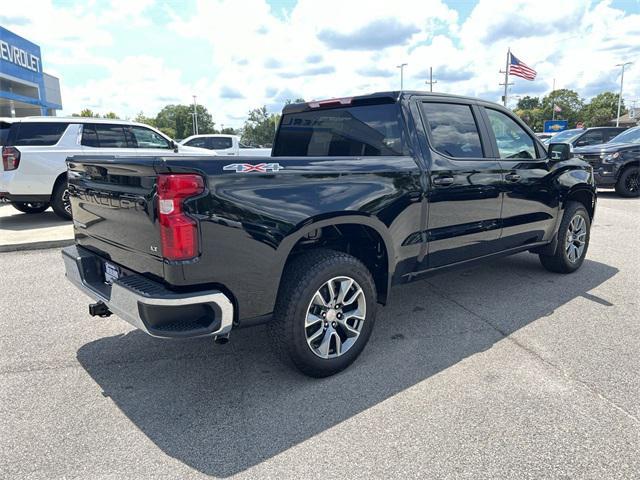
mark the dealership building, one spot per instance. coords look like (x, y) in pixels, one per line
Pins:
(24, 88)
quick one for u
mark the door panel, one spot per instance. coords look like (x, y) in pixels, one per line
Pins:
(530, 204)
(463, 195)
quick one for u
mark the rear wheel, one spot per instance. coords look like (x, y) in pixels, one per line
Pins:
(60, 200)
(325, 312)
(30, 207)
(628, 184)
(573, 241)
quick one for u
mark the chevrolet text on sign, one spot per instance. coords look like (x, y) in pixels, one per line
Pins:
(19, 56)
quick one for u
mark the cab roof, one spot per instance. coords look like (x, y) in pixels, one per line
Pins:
(376, 98)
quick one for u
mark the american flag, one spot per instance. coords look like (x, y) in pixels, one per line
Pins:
(520, 69)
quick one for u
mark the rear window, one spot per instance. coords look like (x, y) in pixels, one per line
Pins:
(36, 134)
(220, 143)
(4, 132)
(367, 131)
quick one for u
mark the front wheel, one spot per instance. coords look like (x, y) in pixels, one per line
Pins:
(30, 207)
(573, 241)
(628, 184)
(324, 313)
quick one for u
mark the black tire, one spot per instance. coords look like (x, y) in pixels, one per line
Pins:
(30, 207)
(60, 200)
(302, 278)
(628, 184)
(560, 262)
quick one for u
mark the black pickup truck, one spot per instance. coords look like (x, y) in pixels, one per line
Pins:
(359, 194)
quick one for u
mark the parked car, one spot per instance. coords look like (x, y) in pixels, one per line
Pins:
(582, 137)
(616, 163)
(360, 194)
(224, 144)
(34, 150)
(542, 136)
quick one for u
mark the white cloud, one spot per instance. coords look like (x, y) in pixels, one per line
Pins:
(324, 49)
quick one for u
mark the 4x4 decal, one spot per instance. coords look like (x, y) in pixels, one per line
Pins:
(247, 167)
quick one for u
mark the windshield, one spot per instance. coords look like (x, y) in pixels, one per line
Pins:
(567, 136)
(629, 136)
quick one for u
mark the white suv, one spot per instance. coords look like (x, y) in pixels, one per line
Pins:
(224, 144)
(34, 150)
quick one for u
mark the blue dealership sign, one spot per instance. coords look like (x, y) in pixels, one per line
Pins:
(555, 126)
(21, 70)
(19, 57)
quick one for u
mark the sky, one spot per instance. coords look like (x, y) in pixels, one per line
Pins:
(139, 55)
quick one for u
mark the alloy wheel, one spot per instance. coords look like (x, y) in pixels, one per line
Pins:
(632, 183)
(335, 317)
(65, 201)
(576, 238)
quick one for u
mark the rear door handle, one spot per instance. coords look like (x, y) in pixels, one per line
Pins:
(443, 181)
(512, 177)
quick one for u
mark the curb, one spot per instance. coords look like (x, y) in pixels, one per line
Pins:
(19, 247)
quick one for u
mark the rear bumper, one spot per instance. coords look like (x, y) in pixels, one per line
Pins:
(147, 304)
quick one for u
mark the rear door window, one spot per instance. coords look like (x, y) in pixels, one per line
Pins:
(220, 143)
(37, 134)
(453, 128)
(367, 131)
(111, 136)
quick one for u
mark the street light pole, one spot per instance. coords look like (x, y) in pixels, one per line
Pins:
(431, 81)
(195, 116)
(621, 84)
(401, 67)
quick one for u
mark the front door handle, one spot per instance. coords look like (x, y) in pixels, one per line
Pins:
(443, 181)
(512, 177)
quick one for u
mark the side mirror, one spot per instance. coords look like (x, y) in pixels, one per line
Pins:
(559, 151)
(174, 146)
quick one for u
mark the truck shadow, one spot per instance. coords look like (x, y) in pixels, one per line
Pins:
(222, 410)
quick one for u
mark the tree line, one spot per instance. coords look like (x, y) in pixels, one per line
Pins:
(569, 106)
(176, 121)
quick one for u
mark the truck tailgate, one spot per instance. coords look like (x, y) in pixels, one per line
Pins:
(114, 210)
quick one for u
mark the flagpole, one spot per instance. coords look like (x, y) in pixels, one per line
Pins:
(506, 76)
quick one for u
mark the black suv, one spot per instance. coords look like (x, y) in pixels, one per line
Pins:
(616, 163)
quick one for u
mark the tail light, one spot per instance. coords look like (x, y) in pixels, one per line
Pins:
(10, 158)
(178, 232)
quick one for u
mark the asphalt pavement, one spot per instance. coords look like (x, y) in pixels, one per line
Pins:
(501, 371)
(30, 231)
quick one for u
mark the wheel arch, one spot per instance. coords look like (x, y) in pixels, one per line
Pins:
(583, 194)
(60, 178)
(630, 163)
(364, 237)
